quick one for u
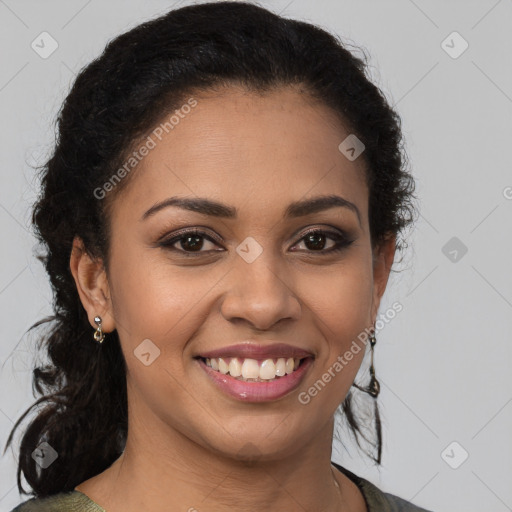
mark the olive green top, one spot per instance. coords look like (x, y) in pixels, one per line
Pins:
(75, 501)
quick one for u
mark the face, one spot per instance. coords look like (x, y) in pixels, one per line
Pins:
(186, 283)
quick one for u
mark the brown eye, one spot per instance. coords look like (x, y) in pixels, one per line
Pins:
(316, 241)
(192, 243)
(189, 242)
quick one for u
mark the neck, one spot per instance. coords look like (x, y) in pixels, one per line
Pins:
(165, 467)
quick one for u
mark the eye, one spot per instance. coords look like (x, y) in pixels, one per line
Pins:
(191, 242)
(315, 240)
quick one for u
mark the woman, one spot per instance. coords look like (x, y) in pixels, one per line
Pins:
(221, 214)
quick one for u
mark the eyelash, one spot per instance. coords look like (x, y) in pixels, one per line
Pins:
(342, 241)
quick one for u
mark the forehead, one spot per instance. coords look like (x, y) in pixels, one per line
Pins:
(261, 151)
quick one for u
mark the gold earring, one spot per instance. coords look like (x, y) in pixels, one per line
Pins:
(99, 335)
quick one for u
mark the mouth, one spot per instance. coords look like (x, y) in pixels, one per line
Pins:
(256, 373)
(254, 370)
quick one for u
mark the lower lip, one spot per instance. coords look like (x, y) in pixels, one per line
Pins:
(258, 391)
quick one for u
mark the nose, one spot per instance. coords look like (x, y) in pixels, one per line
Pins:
(260, 294)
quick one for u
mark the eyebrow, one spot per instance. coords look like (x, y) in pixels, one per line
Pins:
(216, 209)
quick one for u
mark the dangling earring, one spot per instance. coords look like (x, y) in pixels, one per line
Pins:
(99, 336)
(373, 389)
(374, 386)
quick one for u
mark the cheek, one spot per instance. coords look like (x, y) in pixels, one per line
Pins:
(155, 300)
(341, 311)
(341, 299)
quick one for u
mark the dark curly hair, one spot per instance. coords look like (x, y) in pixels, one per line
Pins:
(117, 99)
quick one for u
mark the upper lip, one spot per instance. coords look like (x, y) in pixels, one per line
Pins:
(258, 351)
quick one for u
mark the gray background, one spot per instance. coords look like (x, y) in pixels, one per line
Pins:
(444, 361)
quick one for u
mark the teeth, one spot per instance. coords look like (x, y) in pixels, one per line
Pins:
(250, 369)
(267, 370)
(254, 370)
(235, 368)
(281, 367)
(223, 367)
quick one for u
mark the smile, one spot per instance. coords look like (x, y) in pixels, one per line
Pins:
(253, 370)
(253, 380)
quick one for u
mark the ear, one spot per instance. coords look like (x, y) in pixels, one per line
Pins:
(383, 258)
(92, 285)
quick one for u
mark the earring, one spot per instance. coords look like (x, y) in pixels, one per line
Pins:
(374, 386)
(373, 389)
(99, 336)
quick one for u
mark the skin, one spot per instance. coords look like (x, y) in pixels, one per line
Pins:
(189, 444)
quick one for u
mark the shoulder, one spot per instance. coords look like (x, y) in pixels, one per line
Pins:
(377, 500)
(72, 501)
